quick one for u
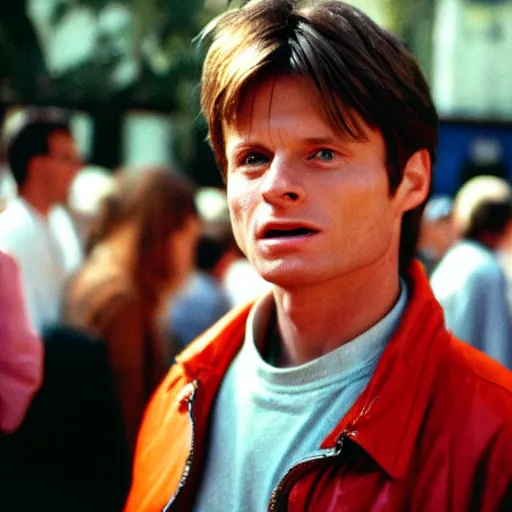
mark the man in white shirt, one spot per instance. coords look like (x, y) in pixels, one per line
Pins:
(43, 159)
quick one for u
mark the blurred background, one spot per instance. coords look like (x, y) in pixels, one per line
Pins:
(126, 74)
(129, 71)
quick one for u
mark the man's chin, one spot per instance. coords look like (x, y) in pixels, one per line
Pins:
(287, 276)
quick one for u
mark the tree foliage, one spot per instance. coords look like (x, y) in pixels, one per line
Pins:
(151, 63)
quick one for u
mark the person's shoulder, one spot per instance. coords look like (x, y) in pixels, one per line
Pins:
(468, 254)
(171, 397)
(15, 223)
(470, 411)
(465, 265)
(208, 356)
(466, 431)
(478, 382)
(95, 295)
(21, 234)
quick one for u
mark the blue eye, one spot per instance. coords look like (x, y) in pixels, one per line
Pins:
(325, 155)
(254, 159)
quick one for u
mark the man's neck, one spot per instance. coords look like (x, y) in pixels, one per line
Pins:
(36, 201)
(316, 320)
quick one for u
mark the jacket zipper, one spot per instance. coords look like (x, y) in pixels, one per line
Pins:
(190, 458)
(283, 488)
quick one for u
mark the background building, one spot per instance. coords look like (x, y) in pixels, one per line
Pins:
(130, 72)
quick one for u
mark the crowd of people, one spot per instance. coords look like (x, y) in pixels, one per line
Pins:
(118, 286)
(466, 247)
(355, 378)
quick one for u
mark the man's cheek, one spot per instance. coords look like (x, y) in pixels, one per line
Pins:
(240, 235)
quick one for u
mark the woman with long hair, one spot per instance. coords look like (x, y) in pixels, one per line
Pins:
(140, 249)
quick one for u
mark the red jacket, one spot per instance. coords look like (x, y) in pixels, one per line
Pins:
(431, 432)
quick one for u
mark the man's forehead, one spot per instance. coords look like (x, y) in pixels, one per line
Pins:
(260, 104)
(265, 97)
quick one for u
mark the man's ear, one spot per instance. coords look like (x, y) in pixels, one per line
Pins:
(415, 183)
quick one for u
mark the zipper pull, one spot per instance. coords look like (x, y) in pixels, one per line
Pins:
(183, 398)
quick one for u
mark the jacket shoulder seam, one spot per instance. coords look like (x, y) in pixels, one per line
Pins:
(455, 358)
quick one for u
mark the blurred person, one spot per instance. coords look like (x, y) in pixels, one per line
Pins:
(469, 282)
(8, 189)
(63, 225)
(43, 160)
(21, 349)
(437, 233)
(240, 279)
(204, 299)
(139, 252)
(242, 282)
(60, 427)
(341, 389)
(70, 450)
(91, 184)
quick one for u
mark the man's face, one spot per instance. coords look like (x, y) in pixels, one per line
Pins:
(307, 205)
(62, 162)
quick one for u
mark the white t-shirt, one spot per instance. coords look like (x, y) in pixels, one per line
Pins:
(41, 251)
(267, 419)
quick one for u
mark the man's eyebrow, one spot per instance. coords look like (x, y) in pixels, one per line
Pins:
(309, 141)
(244, 143)
(315, 141)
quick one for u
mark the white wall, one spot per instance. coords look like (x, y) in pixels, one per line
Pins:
(472, 59)
(147, 139)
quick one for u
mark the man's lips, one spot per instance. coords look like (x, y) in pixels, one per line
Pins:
(283, 230)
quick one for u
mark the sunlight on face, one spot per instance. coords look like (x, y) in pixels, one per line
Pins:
(307, 205)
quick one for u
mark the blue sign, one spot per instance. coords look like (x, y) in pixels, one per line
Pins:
(469, 149)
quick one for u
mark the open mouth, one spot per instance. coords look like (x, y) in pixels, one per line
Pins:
(288, 233)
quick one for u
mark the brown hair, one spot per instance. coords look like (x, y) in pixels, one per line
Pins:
(360, 71)
(158, 202)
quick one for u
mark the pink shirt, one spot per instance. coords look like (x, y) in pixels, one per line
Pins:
(21, 350)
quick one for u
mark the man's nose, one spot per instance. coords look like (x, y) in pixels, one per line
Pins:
(282, 184)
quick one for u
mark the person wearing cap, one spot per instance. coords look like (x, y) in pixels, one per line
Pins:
(436, 232)
(469, 282)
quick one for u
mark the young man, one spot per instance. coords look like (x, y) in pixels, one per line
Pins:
(470, 282)
(43, 160)
(341, 389)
